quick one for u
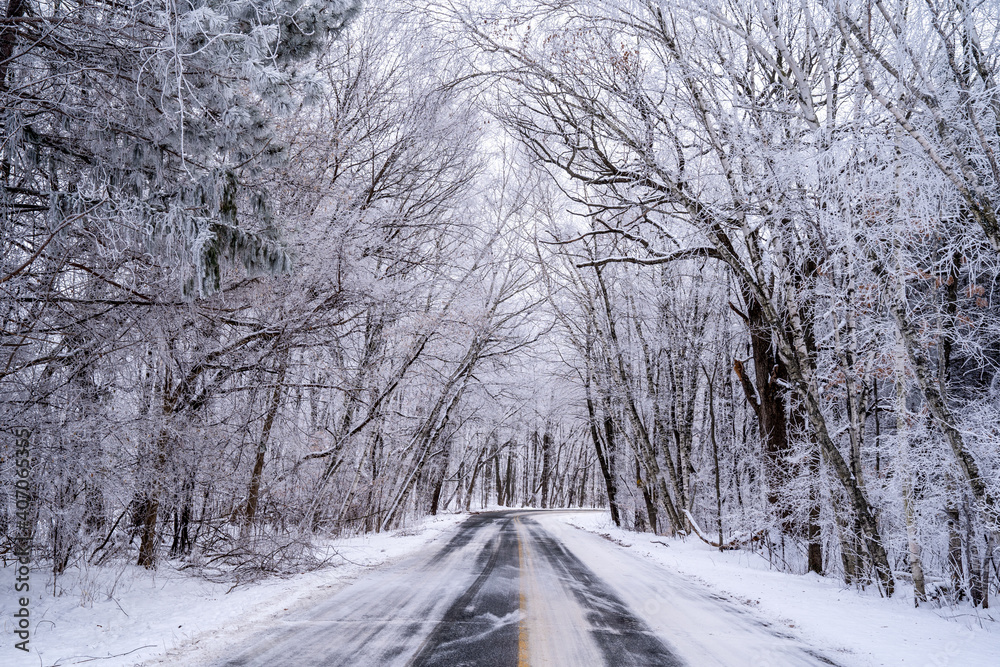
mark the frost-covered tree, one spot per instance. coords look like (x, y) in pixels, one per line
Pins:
(780, 141)
(135, 139)
(726, 266)
(144, 125)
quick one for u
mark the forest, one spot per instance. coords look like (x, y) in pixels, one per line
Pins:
(277, 272)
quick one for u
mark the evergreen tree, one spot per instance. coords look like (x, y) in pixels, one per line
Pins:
(144, 124)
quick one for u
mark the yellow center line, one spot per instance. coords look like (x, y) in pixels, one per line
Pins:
(522, 626)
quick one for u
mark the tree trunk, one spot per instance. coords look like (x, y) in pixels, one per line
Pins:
(814, 533)
(497, 464)
(987, 561)
(511, 485)
(767, 399)
(182, 543)
(715, 457)
(253, 493)
(647, 497)
(976, 592)
(472, 479)
(151, 505)
(546, 466)
(902, 431)
(439, 481)
(602, 456)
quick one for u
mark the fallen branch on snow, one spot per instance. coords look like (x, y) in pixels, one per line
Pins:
(735, 543)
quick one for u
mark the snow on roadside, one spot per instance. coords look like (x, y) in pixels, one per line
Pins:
(855, 628)
(113, 617)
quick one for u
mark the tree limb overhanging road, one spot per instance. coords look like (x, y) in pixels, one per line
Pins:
(522, 588)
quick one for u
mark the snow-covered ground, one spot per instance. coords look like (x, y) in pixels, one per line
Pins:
(854, 628)
(125, 617)
(117, 617)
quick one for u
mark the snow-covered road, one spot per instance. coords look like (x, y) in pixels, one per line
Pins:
(524, 588)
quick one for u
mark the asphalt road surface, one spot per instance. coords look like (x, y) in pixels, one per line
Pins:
(517, 588)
